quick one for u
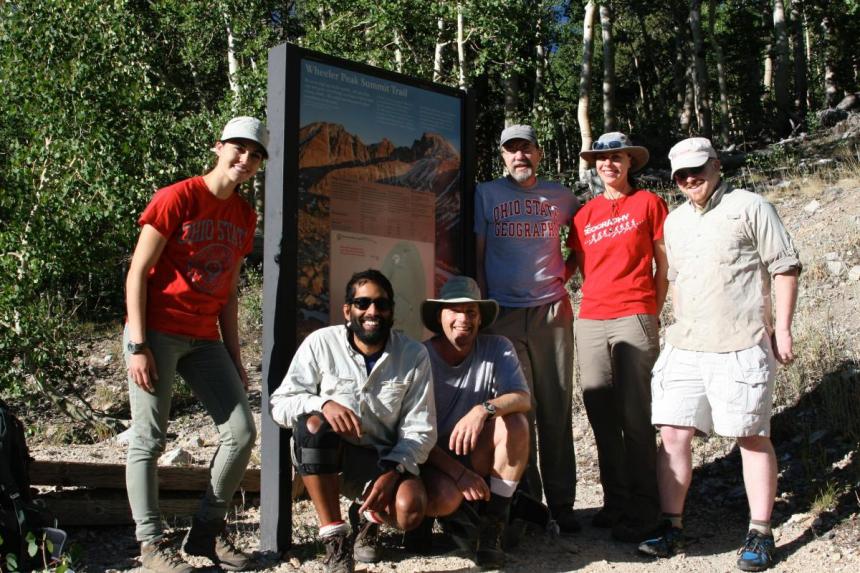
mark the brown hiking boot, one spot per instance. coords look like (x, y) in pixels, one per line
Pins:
(159, 557)
(209, 539)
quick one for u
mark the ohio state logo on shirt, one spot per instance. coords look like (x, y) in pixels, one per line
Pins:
(209, 269)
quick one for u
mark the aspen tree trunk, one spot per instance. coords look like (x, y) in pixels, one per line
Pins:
(703, 106)
(438, 53)
(608, 69)
(540, 66)
(585, 84)
(398, 52)
(831, 85)
(461, 47)
(780, 85)
(645, 75)
(688, 108)
(721, 75)
(512, 95)
(680, 65)
(799, 41)
(232, 61)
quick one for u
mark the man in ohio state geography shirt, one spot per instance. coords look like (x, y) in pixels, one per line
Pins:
(520, 264)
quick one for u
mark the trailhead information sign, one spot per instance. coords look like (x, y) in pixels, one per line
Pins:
(367, 169)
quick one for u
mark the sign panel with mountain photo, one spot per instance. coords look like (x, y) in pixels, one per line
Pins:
(379, 186)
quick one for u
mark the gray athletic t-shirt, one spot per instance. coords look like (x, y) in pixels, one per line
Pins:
(522, 259)
(492, 369)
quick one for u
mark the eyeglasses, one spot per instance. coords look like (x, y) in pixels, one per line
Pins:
(682, 174)
(600, 145)
(364, 302)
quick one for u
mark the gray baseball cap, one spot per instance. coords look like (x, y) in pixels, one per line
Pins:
(246, 127)
(526, 132)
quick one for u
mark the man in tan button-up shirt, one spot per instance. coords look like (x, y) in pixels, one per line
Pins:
(725, 246)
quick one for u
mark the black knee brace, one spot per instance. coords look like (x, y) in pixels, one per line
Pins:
(315, 454)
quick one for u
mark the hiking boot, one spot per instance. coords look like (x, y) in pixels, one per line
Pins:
(366, 548)
(210, 539)
(462, 527)
(565, 518)
(490, 554)
(635, 531)
(159, 557)
(665, 545)
(338, 553)
(420, 539)
(757, 552)
(607, 517)
(513, 533)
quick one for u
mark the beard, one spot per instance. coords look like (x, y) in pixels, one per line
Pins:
(374, 336)
(523, 175)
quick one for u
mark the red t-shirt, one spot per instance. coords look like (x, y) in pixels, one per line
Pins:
(207, 238)
(617, 242)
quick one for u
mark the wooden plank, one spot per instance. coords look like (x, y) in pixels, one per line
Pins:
(110, 507)
(94, 475)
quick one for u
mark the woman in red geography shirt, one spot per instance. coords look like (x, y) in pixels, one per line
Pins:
(181, 299)
(615, 237)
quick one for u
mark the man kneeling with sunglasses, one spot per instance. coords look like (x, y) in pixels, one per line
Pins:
(359, 398)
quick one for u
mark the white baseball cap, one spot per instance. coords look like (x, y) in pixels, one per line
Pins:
(246, 127)
(691, 152)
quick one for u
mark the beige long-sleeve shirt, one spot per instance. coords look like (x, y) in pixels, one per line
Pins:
(721, 259)
(394, 402)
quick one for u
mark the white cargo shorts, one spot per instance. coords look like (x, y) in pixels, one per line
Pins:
(730, 393)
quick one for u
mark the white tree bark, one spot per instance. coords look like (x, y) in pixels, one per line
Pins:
(608, 69)
(721, 75)
(585, 85)
(438, 53)
(703, 106)
(232, 60)
(461, 47)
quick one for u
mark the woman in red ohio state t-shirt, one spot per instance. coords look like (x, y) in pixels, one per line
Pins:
(616, 237)
(181, 300)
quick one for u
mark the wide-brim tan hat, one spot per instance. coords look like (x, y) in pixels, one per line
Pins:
(617, 141)
(457, 290)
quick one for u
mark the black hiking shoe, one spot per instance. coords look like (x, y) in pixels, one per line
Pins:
(665, 545)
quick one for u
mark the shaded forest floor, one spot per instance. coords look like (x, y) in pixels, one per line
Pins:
(816, 188)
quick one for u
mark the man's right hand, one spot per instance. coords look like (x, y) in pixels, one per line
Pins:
(141, 369)
(342, 419)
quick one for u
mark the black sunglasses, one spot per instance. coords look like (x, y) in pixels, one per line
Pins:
(364, 302)
(599, 145)
(682, 174)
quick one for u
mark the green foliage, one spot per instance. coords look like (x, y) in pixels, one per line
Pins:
(102, 103)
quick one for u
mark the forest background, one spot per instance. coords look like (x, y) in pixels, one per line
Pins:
(104, 101)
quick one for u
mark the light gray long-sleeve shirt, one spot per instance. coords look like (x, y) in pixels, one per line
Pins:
(394, 402)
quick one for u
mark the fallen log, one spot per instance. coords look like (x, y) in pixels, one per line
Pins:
(112, 476)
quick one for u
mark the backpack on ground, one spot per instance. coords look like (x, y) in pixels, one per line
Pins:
(19, 514)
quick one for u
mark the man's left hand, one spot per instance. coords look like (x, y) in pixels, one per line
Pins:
(382, 493)
(464, 436)
(782, 346)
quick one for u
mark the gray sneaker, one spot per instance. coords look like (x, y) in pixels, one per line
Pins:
(159, 557)
(211, 540)
(366, 547)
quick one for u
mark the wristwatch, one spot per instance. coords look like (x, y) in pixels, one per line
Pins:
(136, 347)
(490, 408)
